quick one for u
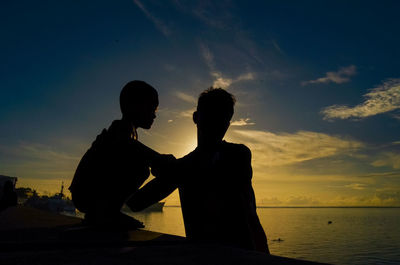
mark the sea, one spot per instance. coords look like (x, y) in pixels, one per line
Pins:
(342, 236)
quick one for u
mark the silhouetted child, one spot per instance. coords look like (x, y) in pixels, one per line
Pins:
(117, 164)
(214, 181)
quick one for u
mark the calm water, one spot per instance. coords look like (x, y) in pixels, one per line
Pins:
(356, 235)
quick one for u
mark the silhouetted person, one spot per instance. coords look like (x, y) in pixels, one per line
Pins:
(117, 164)
(214, 181)
(9, 196)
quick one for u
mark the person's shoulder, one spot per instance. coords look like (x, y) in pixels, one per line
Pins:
(238, 159)
(237, 149)
(107, 136)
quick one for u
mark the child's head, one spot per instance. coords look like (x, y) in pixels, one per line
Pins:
(139, 101)
(214, 112)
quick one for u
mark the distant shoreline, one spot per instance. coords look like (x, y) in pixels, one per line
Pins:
(178, 206)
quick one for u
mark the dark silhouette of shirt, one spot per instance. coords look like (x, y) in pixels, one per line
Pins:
(217, 198)
(111, 170)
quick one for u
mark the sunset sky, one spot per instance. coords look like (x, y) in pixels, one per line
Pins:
(317, 86)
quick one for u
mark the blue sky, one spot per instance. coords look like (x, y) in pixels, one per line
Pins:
(317, 85)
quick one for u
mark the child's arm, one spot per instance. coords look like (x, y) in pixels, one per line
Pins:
(149, 194)
(160, 163)
(146, 152)
(166, 170)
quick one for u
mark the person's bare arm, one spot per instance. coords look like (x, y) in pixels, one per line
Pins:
(259, 237)
(167, 171)
(149, 194)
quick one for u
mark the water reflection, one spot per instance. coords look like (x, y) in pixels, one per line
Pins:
(355, 236)
(168, 221)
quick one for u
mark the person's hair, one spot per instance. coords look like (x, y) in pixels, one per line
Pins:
(217, 99)
(135, 92)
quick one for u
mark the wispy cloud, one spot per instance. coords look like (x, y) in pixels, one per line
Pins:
(299, 200)
(384, 197)
(245, 76)
(389, 159)
(269, 201)
(387, 198)
(276, 149)
(302, 201)
(388, 174)
(341, 76)
(39, 161)
(38, 152)
(277, 47)
(185, 97)
(187, 113)
(215, 14)
(384, 98)
(207, 56)
(225, 82)
(390, 196)
(219, 79)
(160, 25)
(356, 186)
(242, 122)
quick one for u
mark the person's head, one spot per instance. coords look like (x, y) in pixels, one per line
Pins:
(139, 101)
(215, 109)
